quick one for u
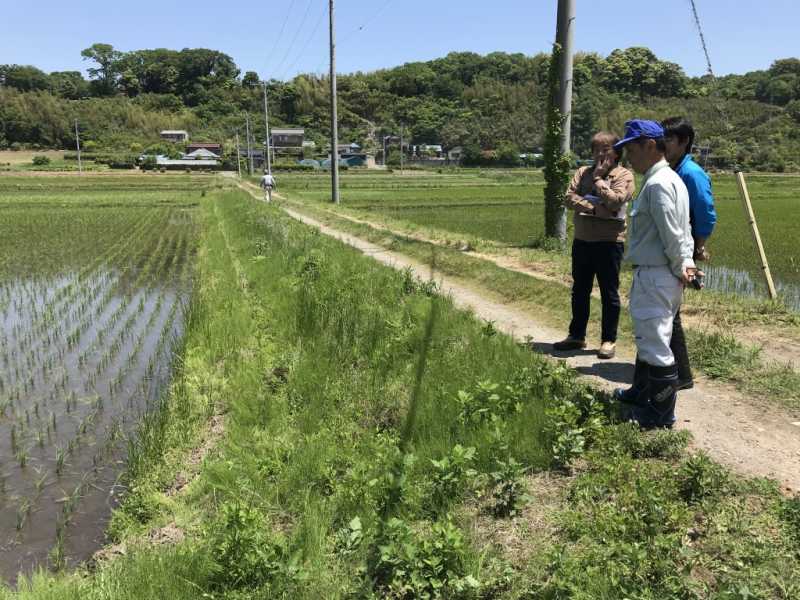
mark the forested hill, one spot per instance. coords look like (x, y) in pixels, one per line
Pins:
(494, 102)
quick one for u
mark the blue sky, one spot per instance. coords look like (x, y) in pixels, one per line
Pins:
(383, 33)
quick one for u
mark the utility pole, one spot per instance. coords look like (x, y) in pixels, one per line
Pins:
(334, 115)
(565, 28)
(557, 138)
(266, 125)
(247, 133)
(401, 147)
(78, 146)
(238, 155)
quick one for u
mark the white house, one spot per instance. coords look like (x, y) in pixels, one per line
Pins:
(175, 135)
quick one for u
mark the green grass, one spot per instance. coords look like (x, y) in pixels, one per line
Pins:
(550, 301)
(323, 485)
(506, 207)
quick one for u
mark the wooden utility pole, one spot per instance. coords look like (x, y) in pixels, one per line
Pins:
(249, 150)
(78, 147)
(334, 114)
(751, 219)
(266, 126)
(238, 155)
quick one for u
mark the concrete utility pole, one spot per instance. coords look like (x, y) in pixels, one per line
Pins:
(78, 146)
(565, 28)
(334, 114)
(266, 125)
(238, 155)
(247, 133)
(555, 212)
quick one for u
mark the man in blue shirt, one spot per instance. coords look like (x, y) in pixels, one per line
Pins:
(679, 139)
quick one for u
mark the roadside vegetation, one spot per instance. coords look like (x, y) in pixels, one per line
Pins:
(381, 200)
(376, 442)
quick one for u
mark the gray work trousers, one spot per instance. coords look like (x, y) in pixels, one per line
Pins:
(655, 298)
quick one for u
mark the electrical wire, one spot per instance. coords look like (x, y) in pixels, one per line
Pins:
(367, 22)
(305, 46)
(352, 32)
(283, 27)
(715, 89)
(294, 39)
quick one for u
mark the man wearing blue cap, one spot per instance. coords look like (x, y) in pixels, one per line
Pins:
(660, 247)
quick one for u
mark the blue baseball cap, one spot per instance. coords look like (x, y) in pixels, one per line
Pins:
(639, 128)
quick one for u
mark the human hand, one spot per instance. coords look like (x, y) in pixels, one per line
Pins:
(604, 166)
(693, 276)
(688, 275)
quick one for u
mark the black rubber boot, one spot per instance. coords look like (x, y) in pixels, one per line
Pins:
(678, 346)
(635, 393)
(662, 393)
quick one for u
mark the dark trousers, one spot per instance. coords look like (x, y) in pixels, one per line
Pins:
(678, 346)
(590, 260)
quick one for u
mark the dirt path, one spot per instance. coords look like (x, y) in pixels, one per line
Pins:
(744, 434)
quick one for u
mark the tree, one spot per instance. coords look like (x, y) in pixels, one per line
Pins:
(638, 71)
(508, 155)
(250, 78)
(24, 77)
(793, 108)
(105, 74)
(69, 84)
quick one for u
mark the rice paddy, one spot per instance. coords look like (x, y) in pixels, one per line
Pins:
(506, 207)
(94, 279)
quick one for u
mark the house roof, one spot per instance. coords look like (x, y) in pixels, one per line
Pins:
(188, 163)
(204, 145)
(201, 152)
(288, 131)
(174, 132)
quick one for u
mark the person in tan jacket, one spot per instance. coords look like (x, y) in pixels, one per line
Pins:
(598, 197)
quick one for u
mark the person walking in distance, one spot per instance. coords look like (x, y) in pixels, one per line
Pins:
(660, 248)
(598, 197)
(268, 184)
(679, 139)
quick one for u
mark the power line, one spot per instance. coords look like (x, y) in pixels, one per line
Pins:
(715, 88)
(367, 22)
(305, 46)
(278, 39)
(358, 29)
(294, 39)
(702, 39)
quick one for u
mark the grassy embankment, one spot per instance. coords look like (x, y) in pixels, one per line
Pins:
(465, 202)
(379, 443)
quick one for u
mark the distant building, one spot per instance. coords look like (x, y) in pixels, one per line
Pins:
(455, 154)
(175, 135)
(434, 150)
(357, 159)
(201, 154)
(288, 141)
(216, 149)
(258, 157)
(343, 149)
(191, 163)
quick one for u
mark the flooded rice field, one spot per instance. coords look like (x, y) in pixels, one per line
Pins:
(92, 300)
